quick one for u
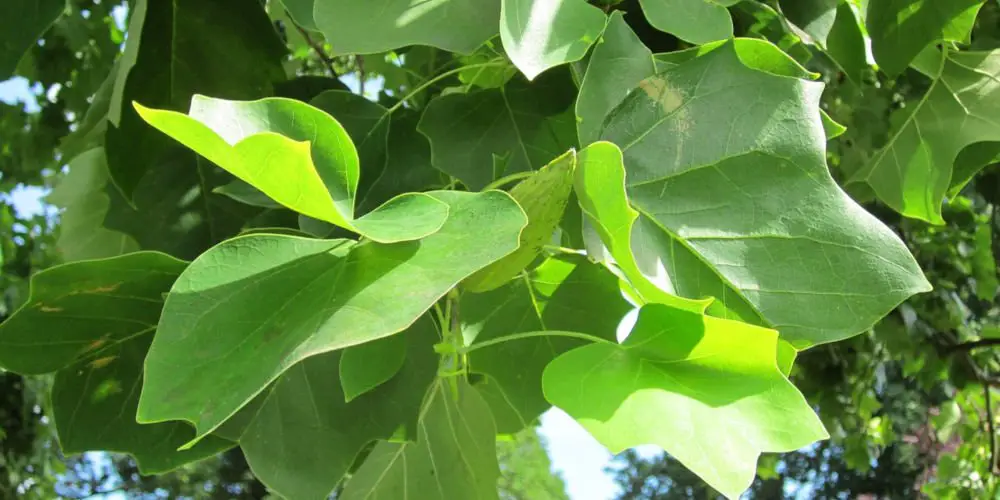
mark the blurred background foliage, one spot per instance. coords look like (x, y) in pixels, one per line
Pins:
(909, 405)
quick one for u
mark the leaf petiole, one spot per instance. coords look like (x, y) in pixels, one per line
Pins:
(527, 335)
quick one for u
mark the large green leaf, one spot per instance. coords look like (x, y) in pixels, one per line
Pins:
(454, 456)
(694, 21)
(408, 166)
(222, 48)
(706, 390)
(352, 27)
(543, 196)
(91, 322)
(744, 210)
(900, 29)
(83, 196)
(566, 293)
(520, 122)
(23, 23)
(227, 331)
(540, 34)
(304, 437)
(914, 170)
(300, 157)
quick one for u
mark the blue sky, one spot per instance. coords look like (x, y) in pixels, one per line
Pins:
(577, 456)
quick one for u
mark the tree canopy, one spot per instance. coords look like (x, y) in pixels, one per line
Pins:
(322, 247)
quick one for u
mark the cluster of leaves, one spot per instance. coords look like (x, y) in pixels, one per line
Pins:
(335, 282)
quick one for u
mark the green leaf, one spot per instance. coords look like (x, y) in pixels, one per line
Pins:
(541, 34)
(619, 62)
(834, 27)
(752, 218)
(24, 22)
(245, 193)
(567, 293)
(304, 437)
(454, 456)
(900, 29)
(543, 197)
(600, 189)
(694, 21)
(366, 366)
(914, 170)
(521, 119)
(182, 47)
(984, 266)
(227, 332)
(707, 390)
(301, 12)
(91, 322)
(408, 166)
(453, 25)
(368, 125)
(300, 157)
(82, 194)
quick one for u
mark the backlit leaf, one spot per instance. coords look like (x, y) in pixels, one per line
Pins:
(694, 21)
(540, 34)
(900, 29)
(706, 390)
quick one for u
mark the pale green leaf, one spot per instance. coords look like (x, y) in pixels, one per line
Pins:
(223, 48)
(300, 157)
(600, 189)
(567, 293)
(745, 211)
(23, 23)
(543, 197)
(366, 366)
(694, 21)
(454, 456)
(900, 29)
(522, 121)
(706, 390)
(304, 437)
(246, 194)
(352, 27)
(91, 322)
(540, 34)
(82, 194)
(253, 306)
(914, 170)
(302, 12)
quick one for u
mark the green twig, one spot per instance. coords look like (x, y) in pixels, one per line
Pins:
(528, 335)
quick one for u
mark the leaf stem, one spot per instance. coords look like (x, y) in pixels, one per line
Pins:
(313, 44)
(508, 179)
(527, 335)
(436, 79)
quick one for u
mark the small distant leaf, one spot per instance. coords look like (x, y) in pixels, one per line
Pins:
(984, 266)
(694, 21)
(366, 366)
(524, 121)
(540, 34)
(352, 27)
(299, 156)
(253, 306)
(900, 29)
(454, 456)
(706, 390)
(543, 197)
